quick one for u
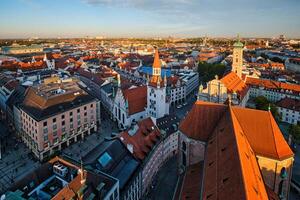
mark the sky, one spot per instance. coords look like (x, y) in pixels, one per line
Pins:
(149, 18)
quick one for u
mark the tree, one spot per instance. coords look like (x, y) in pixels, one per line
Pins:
(207, 71)
(262, 103)
(294, 131)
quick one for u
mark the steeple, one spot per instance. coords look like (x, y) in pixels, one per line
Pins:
(237, 57)
(156, 69)
(238, 43)
(156, 62)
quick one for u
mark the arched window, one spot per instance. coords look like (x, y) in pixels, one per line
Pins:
(183, 146)
(280, 189)
(183, 159)
(283, 173)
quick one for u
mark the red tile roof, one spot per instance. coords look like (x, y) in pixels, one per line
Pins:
(192, 182)
(196, 125)
(270, 84)
(234, 83)
(204, 117)
(234, 137)
(231, 170)
(261, 124)
(288, 103)
(143, 140)
(137, 99)
(156, 62)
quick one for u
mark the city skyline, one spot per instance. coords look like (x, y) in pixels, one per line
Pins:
(159, 18)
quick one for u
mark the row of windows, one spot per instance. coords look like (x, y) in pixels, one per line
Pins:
(45, 123)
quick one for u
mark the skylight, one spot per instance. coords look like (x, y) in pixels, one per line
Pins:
(104, 159)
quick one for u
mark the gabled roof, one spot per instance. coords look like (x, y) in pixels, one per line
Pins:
(205, 116)
(137, 99)
(201, 120)
(241, 178)
(234, 83)
(234, 137)
(270, 84)
(288, 103)
(142, 137)
(263, 133)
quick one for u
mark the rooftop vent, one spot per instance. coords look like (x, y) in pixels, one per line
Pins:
(130, 148)
(58, 91)
(133, 130)
(60, 169)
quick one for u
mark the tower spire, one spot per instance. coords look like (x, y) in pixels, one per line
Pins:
(156, 69)
(82, 179)
(156, 62)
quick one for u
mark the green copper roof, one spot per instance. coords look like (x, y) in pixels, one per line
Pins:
(238, 42)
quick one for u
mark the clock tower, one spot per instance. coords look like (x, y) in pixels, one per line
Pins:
(237, 57)
(157, 101)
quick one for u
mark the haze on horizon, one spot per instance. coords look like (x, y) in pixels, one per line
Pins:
(149, 18)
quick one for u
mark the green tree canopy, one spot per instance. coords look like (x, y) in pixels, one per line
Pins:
(262, 103)
(207, 72)
(294, 131)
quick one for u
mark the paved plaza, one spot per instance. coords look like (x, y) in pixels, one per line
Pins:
(17, 160)
(15, 163)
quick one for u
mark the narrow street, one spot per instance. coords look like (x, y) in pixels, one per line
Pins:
(165, 181)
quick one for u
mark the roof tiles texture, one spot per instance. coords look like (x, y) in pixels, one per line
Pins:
(288, 103)
(137, 99)
(143, 139)
(270, 84)
(234, 137)
(234, 83)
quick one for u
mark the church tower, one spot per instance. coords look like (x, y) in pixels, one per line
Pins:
(157, 101)
(237, 57)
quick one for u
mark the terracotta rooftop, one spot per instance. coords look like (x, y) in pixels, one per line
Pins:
(241, 178)
(156, 62)
(156, 80)
(288, 103)
(142, 137)
(234, 136)
(200, 129)
(262, 126)
(234, 83)
(136, 98)
(192, 182)
(47, 99)
(270, 84)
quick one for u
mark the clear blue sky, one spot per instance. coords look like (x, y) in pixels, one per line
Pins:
(149, 18)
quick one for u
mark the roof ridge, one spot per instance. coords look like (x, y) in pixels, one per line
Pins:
(271, 116)
(232, 115)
